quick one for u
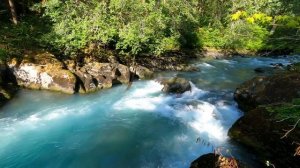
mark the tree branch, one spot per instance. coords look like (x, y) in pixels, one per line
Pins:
(289, 131)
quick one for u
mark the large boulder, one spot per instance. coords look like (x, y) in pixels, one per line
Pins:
(268, 89)
(42, 71)
(96, 76)
(215, 161)
(270, 125)
(262, 131)
(175, 85)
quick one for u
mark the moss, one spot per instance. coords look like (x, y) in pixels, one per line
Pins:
(290, 111)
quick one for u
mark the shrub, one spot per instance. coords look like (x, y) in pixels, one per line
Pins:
(130, 26)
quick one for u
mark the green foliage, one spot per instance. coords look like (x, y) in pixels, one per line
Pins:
(25, 36)
(254, 26)
(240, 35)
(252, 29)
(3, 54)
(132, 27)
(155, 27)
(212, 37)
(243, 35)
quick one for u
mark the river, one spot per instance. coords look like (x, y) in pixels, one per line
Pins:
(139, 127)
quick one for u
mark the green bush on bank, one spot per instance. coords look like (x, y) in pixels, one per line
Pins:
(155, 27)
(239, 36)
(130, 26)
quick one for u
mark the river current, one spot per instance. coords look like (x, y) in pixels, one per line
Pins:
(139, 127)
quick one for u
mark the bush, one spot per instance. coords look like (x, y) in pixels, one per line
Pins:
(130, 26)
(212, 37)
(239, 35)
(242, 35)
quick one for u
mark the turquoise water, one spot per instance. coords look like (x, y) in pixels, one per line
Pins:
(139, 127)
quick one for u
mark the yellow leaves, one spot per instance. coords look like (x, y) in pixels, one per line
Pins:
(258, 16)
(238, 15)
(262, 17)
(250, 20)
(255, 18)
(269, 19)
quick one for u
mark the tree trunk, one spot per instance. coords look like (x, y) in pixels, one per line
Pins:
(13, 11)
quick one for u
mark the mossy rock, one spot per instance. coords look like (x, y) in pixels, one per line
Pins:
(262, 130)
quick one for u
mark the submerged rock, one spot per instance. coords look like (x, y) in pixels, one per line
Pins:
(259, 70)
(176, 85)
(215, 161)
(42, 71)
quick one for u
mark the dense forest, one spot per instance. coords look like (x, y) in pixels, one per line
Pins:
(150, 26)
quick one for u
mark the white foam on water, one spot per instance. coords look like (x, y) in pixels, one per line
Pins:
(142, 99)
(206, 120)
(203, 117)
(195, 93)
(207, 65)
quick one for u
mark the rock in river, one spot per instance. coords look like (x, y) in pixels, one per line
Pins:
(175, 85)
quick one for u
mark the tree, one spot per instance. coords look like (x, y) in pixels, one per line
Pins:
(13, 11)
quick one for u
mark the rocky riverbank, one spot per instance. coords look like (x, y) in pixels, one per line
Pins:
(270, 125)
(42, 70)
